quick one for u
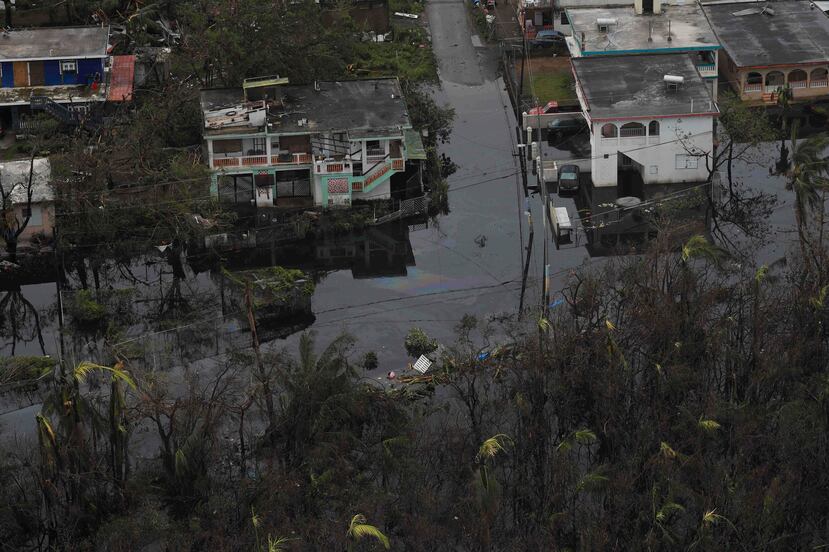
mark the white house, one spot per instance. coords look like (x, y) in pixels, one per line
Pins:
(632, 30)
(651, 120)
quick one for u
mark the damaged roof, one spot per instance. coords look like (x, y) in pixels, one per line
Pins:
(54, 43)
(618, 87)
(363, 108)
(794, 34)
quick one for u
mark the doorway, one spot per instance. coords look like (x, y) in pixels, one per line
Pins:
(647, 6)
(629, 181)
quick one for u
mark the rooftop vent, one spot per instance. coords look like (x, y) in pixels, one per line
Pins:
(672, 82)
(605, 23)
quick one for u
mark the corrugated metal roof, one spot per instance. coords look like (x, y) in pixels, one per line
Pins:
(121, 78)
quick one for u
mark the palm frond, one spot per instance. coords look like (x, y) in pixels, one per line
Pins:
(584, 436)
(592, 481)
(492, 446)
(85, 368)
(358, 529)
(709, 425)
(667, 509)
(666, 450)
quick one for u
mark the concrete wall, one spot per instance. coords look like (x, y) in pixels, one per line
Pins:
(47, 220)
(656, 153)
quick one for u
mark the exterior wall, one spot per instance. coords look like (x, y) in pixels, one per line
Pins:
(87, 69)
(656, 154)
(333, 181)
(47, 216)
(816, 85)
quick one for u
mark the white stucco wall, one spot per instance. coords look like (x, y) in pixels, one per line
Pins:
(656, 154)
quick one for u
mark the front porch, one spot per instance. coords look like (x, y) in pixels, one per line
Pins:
(764, 86)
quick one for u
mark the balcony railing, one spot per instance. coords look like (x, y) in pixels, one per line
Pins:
(773, 88)
(797, 84)
(820, 83)
(261, 160)
(333, 166)
(292, 159)
(753, 87)
(704, 68)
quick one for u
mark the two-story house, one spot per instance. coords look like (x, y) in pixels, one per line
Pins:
(48, 66)
(650, 117)
(272, 144)
(647, 27)
(770, 46)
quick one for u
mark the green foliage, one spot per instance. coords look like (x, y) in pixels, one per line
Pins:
(370, 361)
(418, 343)
(85, 310)
(25, 368)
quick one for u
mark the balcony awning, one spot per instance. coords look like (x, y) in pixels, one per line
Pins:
(414, 145)
(122, 76)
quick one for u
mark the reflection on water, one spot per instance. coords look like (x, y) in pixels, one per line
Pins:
(177, 304)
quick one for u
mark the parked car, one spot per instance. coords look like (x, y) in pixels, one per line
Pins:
(551, 107)
(547, 38)
(568, 178)
(567, 126)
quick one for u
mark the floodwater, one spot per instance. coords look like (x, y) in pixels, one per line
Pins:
(470, 261)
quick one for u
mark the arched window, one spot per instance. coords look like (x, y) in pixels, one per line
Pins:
(609, 131)
(775, 78)
(653, 128)
(798, 75)
(754, 78)
(632, 129)
(818, 77)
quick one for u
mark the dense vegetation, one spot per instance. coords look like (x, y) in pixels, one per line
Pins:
(677, 400)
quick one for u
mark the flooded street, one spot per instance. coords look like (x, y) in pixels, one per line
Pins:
(380, 283)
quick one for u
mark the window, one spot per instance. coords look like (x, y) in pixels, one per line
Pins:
(564, 20)
(258, 147)
(374, 149)
(36, 215)
(653, 128)
(685, 161)
(227, 146)
(69, 66)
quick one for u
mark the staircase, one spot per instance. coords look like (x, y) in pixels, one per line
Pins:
(56, 110)
(770, 97)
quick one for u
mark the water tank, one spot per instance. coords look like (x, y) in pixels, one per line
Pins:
(605, 21)
(673, 79)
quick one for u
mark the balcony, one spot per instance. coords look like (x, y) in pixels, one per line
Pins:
(261, 160)
(333, 166)
(820, 83)
(707, 69)
(753, 87)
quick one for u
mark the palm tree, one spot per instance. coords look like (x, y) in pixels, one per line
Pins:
(807, 177)
(359, 529)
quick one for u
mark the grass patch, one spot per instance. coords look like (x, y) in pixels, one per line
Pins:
(406, 6)
(553, 86)
(408, 56)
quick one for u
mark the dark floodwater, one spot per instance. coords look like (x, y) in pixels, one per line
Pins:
(377, 285)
